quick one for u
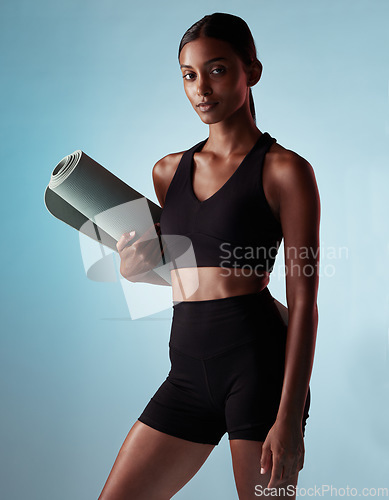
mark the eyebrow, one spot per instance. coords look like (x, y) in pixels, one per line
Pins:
(206, 62)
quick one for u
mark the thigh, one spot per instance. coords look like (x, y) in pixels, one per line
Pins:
(181, 406)
(250, 483)
(256, 373)
(255, 381)
(152, 465)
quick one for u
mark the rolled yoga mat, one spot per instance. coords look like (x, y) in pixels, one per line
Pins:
(88, 197)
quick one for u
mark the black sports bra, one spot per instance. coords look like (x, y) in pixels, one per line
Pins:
(234, 227)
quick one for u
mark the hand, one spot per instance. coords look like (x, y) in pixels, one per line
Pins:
(284, 449)
(141, 256)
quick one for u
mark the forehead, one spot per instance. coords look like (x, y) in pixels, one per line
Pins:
(198, 52)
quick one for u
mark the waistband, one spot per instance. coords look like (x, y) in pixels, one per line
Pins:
(193, 305)
(205, 328)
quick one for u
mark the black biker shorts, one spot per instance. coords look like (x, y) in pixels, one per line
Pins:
(227, 368)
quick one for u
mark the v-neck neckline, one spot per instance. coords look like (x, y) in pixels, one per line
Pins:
(228, 181)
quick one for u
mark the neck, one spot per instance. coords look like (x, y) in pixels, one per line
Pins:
(236, 134)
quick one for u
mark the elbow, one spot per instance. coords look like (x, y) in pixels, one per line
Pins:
(305, 307)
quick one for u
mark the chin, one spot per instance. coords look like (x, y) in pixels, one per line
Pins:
(209, 120)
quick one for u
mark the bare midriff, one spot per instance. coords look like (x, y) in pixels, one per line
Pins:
(207, 283)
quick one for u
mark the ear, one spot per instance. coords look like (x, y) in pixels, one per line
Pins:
(254, 73)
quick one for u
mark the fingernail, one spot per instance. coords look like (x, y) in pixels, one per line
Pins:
(132, 233)
(262, 470)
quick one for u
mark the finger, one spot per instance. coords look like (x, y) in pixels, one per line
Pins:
(297, 463)
(154, 256)
(149, 250)
(124, 239)
(149, 235)
(276, 473)
(265, 459)
(288, 471)
(145, 236)
(150, 247)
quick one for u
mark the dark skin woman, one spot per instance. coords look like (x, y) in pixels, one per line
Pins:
(152, 464)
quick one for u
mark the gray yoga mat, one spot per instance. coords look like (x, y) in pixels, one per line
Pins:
(88, 197)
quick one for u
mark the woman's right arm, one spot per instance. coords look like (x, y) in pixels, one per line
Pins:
(139, 259)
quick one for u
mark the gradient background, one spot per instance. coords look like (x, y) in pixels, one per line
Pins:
(103, 76)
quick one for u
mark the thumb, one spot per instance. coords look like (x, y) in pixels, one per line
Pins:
(265, 459)
(124, 240)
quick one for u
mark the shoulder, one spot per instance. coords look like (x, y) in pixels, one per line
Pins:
(163, 173)
(288, 180)
(289, 172)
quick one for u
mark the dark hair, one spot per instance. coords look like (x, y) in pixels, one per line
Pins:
(231, 29)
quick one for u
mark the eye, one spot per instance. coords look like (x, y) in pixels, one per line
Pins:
(219, 70)
(187, 74)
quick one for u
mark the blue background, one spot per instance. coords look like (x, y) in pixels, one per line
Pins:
(103, 76)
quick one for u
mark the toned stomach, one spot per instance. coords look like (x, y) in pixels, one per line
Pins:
(207, 283)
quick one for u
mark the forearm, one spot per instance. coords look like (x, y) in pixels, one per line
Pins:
(299, 355)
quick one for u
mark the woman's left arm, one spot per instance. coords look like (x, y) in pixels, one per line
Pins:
(299, 208)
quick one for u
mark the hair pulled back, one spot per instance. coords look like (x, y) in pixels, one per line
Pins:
(231, 29)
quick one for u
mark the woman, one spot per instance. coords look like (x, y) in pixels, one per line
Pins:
(236, 367)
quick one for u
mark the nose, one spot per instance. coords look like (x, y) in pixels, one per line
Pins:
(203, 87)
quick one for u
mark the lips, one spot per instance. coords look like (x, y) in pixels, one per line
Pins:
(207, 106)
